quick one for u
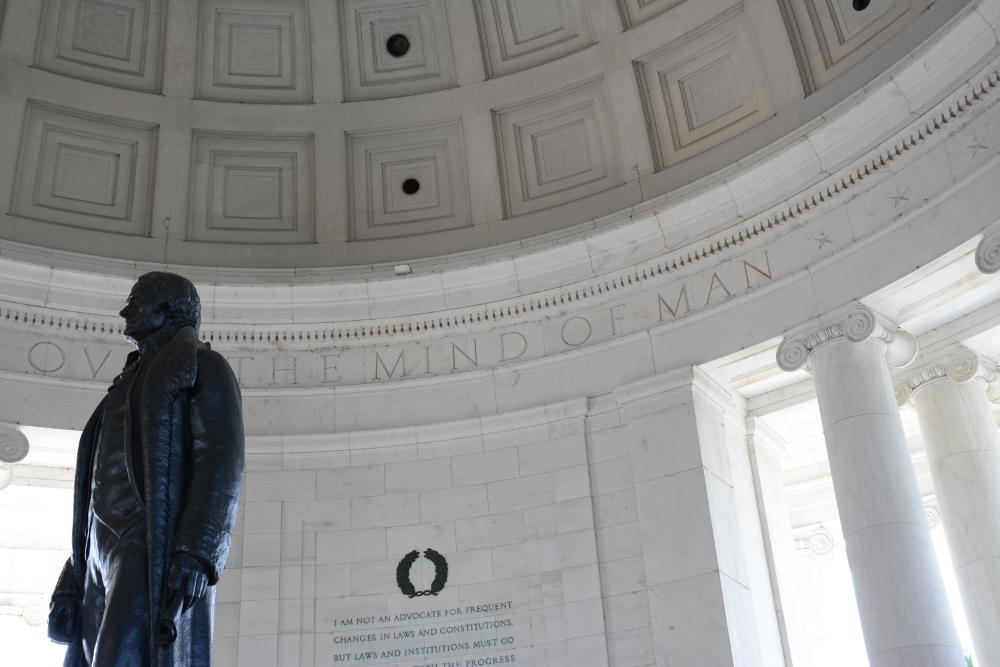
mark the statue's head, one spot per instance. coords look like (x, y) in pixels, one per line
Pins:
(158, 301)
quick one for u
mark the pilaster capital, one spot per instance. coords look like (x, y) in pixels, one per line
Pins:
(855, 323)
(957, 364)
(988, 250)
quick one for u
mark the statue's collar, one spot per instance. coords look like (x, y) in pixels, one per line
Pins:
(154, 342)
(178, 346)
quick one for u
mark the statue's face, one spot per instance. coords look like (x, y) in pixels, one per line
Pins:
(145, 313)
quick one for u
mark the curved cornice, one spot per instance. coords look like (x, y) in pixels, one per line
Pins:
(587, 326)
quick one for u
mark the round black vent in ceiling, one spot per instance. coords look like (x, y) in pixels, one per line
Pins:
(861, 5)
(410, 186)
(397, 45)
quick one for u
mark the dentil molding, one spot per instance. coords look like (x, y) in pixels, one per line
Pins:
(855, 323)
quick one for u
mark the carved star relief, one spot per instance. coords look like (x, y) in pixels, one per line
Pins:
(977, 145)
(900, 196)
(822, 240)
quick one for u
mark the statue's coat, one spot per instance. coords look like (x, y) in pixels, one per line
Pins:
(190, 432)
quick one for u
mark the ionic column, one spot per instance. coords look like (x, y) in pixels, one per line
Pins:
(963, 450)
(904, 613)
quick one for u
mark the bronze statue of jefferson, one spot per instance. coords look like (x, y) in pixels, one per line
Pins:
(158, 478)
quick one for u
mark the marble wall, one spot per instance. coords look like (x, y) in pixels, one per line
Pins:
(615, 530)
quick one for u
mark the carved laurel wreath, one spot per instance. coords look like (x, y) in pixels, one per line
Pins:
(403, 573)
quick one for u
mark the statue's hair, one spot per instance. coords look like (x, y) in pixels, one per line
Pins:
(180, 295)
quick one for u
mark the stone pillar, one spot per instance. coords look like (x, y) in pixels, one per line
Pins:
(963, 451)
(902, 605)
(690, 470)
(766, 449)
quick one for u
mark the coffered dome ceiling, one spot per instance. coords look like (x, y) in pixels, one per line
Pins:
(311, 134)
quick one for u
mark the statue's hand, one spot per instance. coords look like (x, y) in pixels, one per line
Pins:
(188, 576)
(64, 613)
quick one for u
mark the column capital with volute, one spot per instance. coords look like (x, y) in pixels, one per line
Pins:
(855, 323)
(956, 364)
(13, 444)
(988, 250)
(13, 448)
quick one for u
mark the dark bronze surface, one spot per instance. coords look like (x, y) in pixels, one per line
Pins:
(158, 478)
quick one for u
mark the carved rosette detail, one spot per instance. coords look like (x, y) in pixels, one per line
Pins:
(859, 324)
(988, 251)
(13, 444)
(960, 365)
